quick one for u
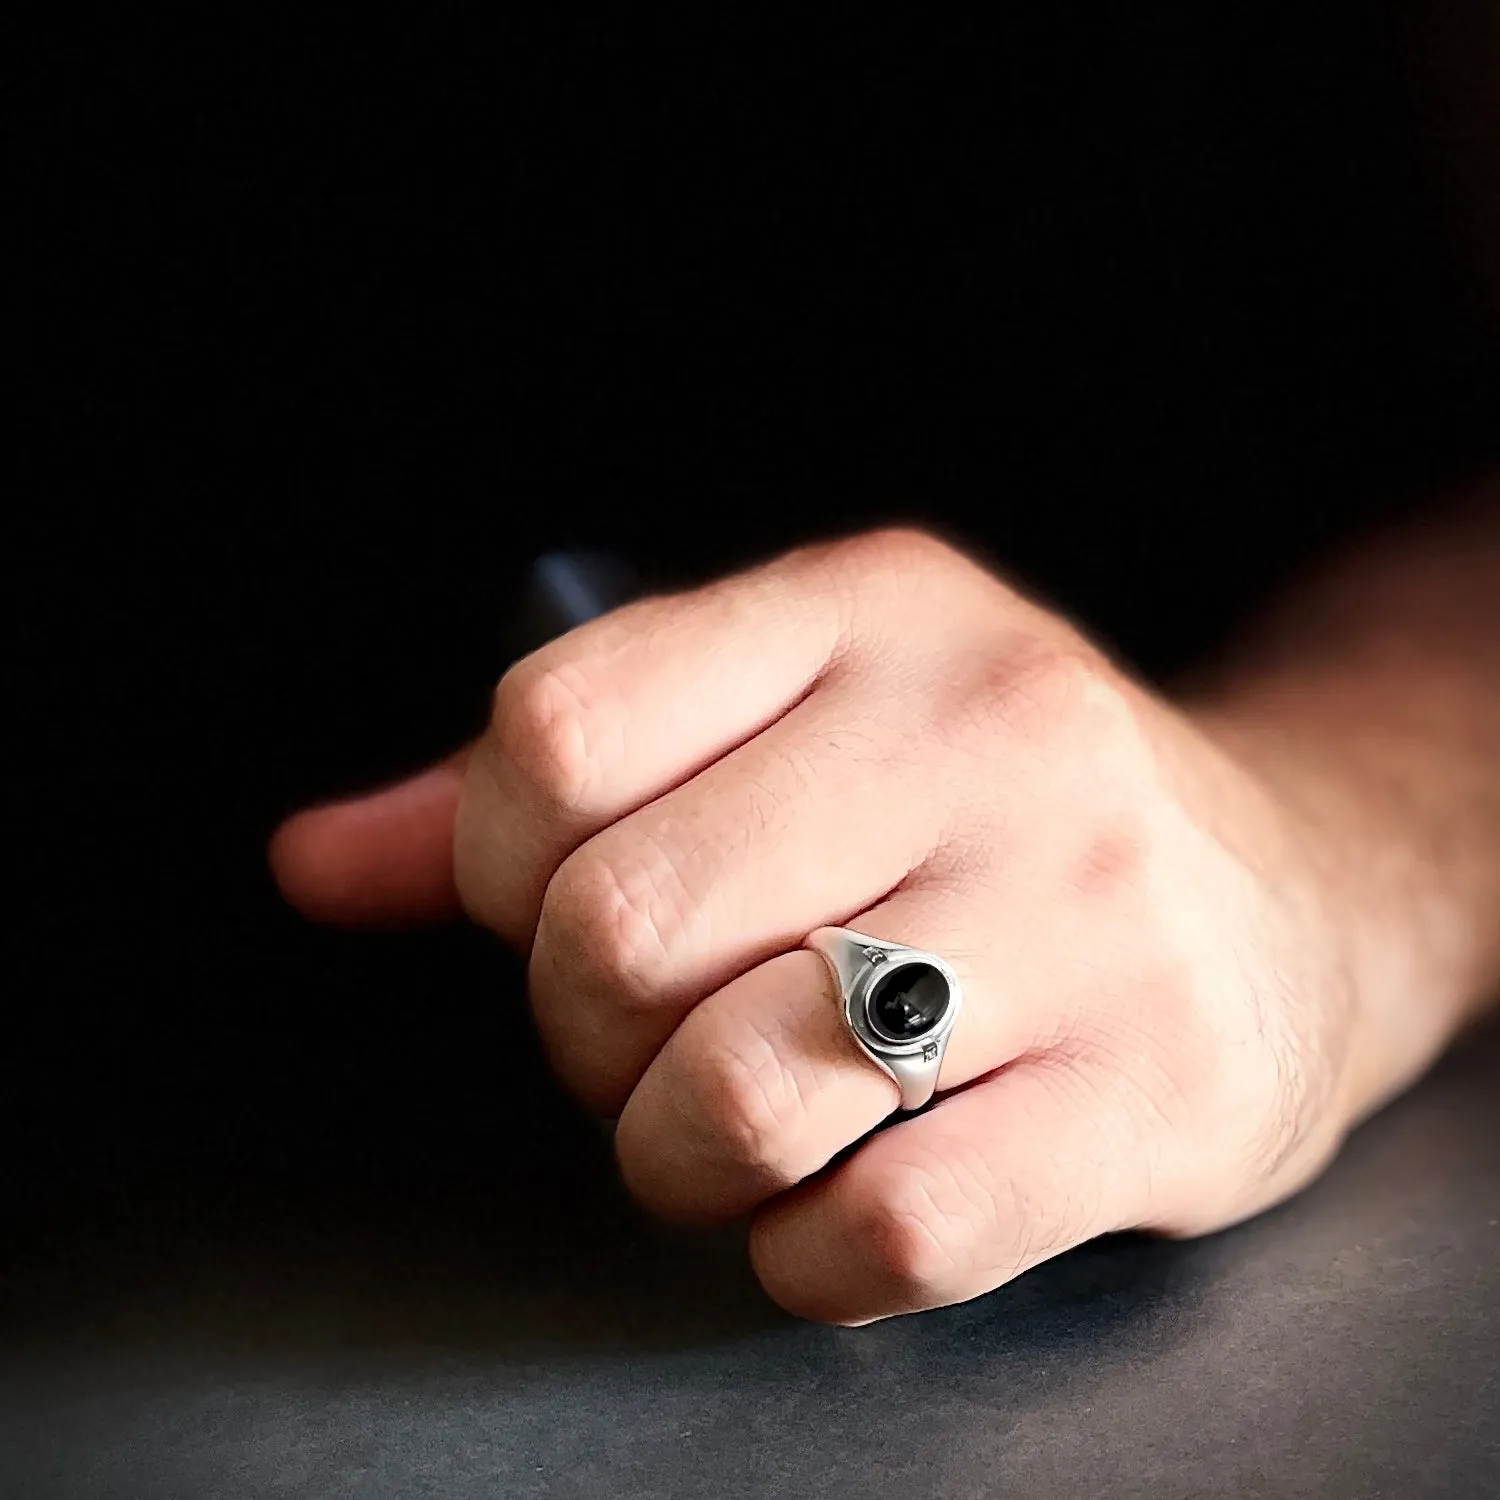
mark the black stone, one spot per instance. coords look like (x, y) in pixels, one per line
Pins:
(907, 1002)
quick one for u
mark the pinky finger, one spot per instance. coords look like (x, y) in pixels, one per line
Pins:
(956, 1202)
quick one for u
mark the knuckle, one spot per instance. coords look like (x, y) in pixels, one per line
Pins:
(611, 921)
(881, 559)
(882, 580)
(1042, 692)
(541, 723)
(894, 549)
(750, 1101)
(917, 1234)
(1048, 694)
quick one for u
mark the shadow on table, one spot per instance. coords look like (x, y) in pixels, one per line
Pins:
(519, 1243)
(516, 1269)
(506, 1272)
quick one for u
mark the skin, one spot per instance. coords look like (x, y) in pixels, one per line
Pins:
(1200, 937)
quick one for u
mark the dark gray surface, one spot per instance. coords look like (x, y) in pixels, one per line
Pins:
(520, 1343)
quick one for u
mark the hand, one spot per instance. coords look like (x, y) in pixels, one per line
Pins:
(1159, 1027)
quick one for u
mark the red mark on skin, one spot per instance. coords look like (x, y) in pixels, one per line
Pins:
(1112, 860)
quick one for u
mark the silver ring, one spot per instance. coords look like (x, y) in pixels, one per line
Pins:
(899, 1004)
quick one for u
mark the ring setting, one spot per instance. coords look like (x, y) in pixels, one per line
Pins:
(899, 1004)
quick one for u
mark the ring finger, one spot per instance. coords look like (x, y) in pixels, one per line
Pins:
(762, 1084)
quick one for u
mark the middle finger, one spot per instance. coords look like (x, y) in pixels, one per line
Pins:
(799, 826)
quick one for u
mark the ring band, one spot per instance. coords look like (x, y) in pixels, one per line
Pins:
(899, 1004)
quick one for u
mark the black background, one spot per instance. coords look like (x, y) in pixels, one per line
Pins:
(332, 326)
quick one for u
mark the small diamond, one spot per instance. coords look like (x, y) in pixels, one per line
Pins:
(929, 1052)
(876, 955)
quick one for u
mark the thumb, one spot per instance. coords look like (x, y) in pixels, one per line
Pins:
(380, 860)
(386, 859)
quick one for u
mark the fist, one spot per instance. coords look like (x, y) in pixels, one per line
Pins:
(1157, 1031)
(879, 734)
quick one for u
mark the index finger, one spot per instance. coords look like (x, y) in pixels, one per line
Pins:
(610, 716)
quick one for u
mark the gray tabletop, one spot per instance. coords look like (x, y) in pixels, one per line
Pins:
(534, 1336)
